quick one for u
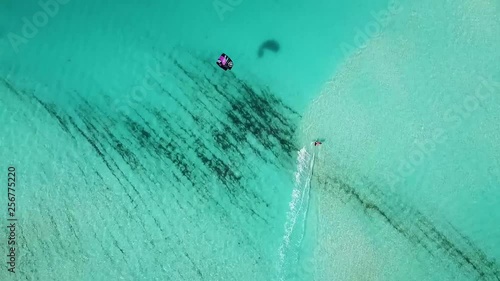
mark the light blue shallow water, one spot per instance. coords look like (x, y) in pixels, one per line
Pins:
(138, 159)
(408, 183)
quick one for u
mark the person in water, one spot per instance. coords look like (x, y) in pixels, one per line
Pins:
(316, 143)
(225, 62)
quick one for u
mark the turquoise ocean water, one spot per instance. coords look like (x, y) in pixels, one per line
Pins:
(138, 159)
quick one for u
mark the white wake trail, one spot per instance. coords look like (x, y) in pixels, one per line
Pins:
(297, 212)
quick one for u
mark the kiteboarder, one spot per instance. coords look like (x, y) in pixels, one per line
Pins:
(316, 143)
